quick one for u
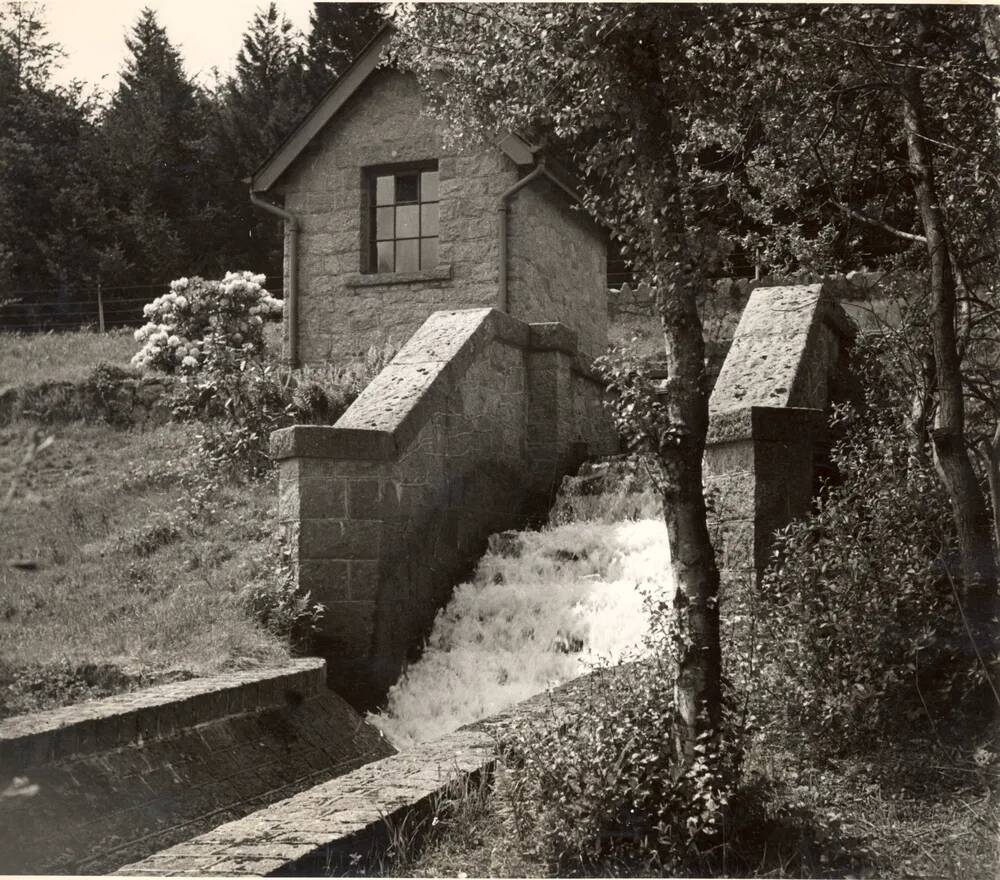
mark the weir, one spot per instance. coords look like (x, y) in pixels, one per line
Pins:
(467, 432)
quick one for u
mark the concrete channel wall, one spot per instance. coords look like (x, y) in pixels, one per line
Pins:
(90, 787)
(467, 432)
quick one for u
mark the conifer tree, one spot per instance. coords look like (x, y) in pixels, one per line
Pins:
(51, 233)
(256, 109)
(338, 32)
(153, 132)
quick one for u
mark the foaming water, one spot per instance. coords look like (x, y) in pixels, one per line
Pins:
(567, 599)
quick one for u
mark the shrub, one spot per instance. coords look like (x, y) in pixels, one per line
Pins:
(106, 386)
(598, 783)
(239, 400)
(858, 627)
(197, 315)
(277, 605)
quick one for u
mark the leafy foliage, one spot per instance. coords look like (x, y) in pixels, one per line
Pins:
(599, 786)
(278, 605)
(635, 401)
(858, 632)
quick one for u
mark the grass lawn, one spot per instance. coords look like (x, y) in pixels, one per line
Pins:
(105, 583)
(45, 357)
(31, 358)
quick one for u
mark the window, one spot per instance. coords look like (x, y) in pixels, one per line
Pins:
(402, 219)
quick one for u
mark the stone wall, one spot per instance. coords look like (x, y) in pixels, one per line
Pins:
(118, 398)
(467, 432)
(343, 827)
(868, 298)
(557, 265)
(90, 787)
(342, 312)
(767, 428)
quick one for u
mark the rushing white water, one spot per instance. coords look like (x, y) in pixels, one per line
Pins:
(570, 600)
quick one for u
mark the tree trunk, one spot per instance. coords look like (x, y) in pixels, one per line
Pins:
(972, 522)
(698, 688)
(991, 450)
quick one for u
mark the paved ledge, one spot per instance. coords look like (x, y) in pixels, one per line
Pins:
(153, 713)
(319, 830)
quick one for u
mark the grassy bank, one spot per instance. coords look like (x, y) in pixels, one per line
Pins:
(61, 357)
(106, 584)
(33, 358)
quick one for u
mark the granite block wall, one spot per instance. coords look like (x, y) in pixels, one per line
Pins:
(557, 267)
(467, 432)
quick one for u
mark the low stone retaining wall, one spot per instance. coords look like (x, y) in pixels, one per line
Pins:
(342, 826)
(467, 432)
(87, 788)
(112, 396)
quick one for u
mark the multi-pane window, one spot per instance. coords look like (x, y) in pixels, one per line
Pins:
(403, 220)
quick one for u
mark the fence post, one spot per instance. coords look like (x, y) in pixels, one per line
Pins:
(100, 307)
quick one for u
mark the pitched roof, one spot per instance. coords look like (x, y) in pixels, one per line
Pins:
(346, 85)
(517, 147)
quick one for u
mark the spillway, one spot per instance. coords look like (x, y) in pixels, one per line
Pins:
(543, 607)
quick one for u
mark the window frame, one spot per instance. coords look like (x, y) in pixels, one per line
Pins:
(369, 206)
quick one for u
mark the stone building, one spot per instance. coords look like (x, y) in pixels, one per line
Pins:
(385, 226)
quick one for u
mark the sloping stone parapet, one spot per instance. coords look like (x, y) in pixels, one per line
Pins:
(767, 437)
(467, 432)
(87, 788)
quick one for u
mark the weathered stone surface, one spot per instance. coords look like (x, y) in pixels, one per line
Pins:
(785, 366)
(484, 426)
(320, 829)
(118, 779)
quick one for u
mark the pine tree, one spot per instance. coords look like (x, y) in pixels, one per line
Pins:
(255, 110)
(154, 130)
(338, 32)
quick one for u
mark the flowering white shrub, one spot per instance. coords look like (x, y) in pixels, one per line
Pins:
(196, 315)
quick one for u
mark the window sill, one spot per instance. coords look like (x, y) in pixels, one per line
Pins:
(380, 279)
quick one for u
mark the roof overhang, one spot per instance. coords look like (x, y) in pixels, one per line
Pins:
(346, 85)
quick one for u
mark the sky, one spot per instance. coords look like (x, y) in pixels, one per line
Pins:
(207, 32)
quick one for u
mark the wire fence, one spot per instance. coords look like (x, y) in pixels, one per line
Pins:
(75, 308)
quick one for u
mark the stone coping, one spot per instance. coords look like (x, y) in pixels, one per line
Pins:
(379, 425)
(764, 423)
(151, 713)
(322, 828)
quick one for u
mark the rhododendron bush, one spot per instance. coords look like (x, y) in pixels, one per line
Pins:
(197, 315)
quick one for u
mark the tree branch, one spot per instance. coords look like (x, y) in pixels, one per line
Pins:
(871, 221)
